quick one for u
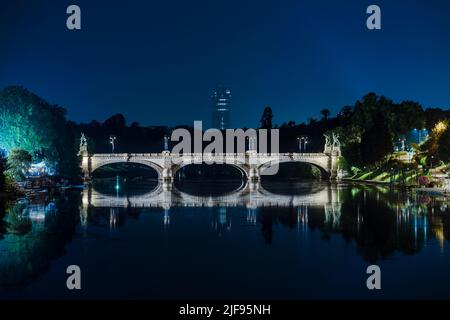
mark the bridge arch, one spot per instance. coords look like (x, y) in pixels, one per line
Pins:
(154, 166)
(240, 167)
(321, 164)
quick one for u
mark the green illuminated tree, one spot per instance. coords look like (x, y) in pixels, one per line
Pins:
(19, 161)
(2, 171)
(30, 123)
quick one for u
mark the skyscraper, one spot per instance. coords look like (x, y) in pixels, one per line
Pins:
(221, 99)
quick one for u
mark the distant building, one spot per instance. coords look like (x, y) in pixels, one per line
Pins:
(221, 99)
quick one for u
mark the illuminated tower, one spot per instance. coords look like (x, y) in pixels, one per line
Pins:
(221, 99)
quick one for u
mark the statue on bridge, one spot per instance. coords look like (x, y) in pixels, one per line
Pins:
(332, 143)
(328, 146)
(83, 145)
(336, 142)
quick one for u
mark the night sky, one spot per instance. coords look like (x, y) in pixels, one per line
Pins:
(158, 61)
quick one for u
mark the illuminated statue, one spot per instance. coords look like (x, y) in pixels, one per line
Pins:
(83, 141)
(336, 142)
(83, 145)
(336, 147)
(327, 143)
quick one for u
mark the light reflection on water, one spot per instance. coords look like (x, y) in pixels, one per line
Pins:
(176, 241)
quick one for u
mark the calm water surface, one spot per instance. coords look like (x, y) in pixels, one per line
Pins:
(226, 240)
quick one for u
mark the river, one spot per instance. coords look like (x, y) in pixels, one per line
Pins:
(227, 240)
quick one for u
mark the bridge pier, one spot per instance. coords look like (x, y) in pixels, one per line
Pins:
(333, 164)
(254, 175)
(167, 175)
(86, 165)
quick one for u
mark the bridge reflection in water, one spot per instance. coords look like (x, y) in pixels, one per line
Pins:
(251, 195)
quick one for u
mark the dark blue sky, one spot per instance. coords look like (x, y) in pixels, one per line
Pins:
(157, 61)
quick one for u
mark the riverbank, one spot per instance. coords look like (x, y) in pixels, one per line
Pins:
(407, 179)
(393, 177)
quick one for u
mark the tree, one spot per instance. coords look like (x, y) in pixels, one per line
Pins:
(434, 115)
(346, 111)
(376, 143)
(30, 123)
(367, 109)
(406, 116)
(266, 119)
(18, 163)
(2, 170)
(116, 122)
(444, 146)
(311, 121)
(325, 114)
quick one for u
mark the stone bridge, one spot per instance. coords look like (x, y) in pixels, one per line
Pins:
(251, 164)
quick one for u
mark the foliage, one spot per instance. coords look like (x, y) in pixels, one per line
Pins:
(266, 119)
(434, 115)
(437, 144)
(117, 121)
(443, 152)
(325, 114)
(366, 129)
(376, 143)
(19, 161)
(30, 123)
(2, 170)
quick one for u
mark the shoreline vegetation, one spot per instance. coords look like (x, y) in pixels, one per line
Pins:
(408, 179)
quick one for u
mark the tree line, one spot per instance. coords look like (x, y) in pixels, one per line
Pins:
(368, 129)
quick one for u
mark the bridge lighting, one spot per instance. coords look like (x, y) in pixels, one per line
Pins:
(251, 143)
(305, 142)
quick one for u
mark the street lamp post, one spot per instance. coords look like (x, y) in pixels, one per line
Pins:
(251, 143)
(305, 142)
(112, 141)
